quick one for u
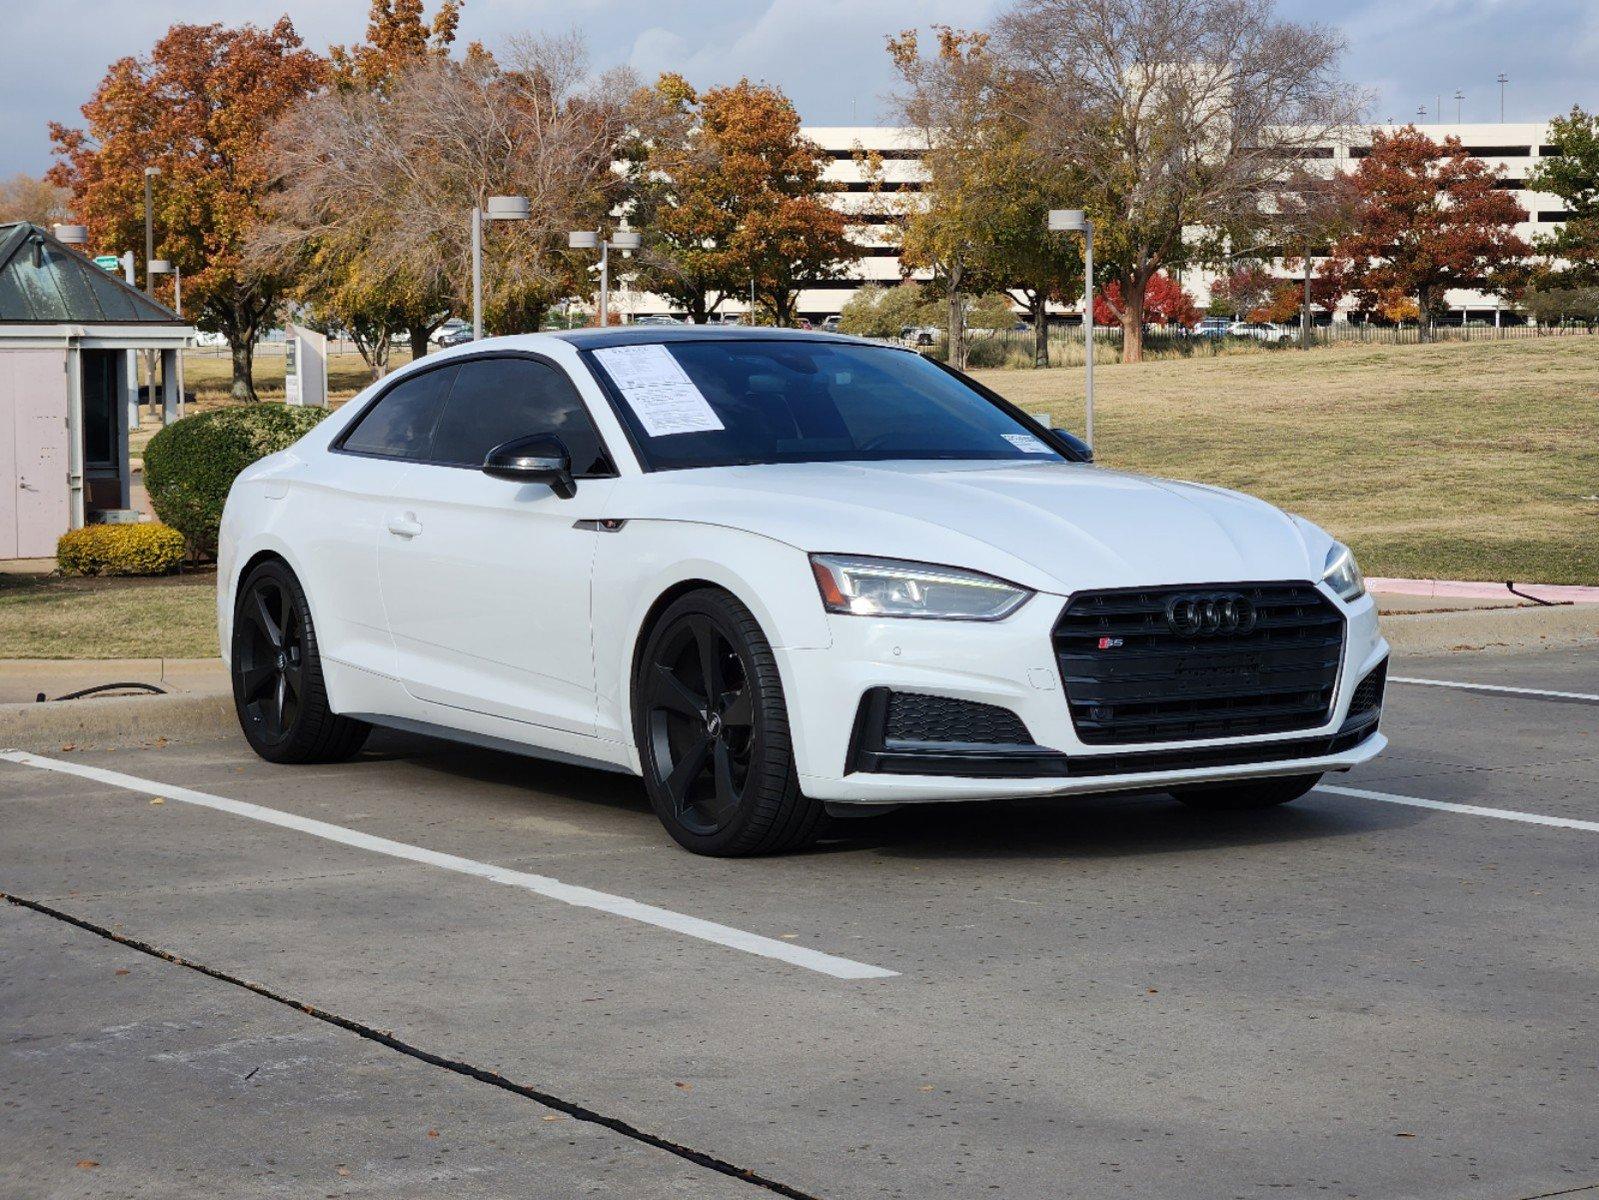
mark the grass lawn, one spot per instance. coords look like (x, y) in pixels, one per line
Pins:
(1457, 461)
(166, 617)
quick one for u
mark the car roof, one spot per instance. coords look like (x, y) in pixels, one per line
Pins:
(635, 335)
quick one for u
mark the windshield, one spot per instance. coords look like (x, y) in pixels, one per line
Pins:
(725, 403)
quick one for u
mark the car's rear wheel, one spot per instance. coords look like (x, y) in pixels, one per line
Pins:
(278, 688)
(712, 732)
(1241, 796)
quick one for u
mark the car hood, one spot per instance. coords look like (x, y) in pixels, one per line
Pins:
(1049, 526)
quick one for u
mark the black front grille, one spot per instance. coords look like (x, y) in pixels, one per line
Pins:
(915, 717)
(1131, 678)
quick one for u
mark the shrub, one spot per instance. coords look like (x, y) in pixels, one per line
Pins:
(190, 465)
(120, 550)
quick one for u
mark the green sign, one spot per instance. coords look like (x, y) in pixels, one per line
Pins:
(109, 261)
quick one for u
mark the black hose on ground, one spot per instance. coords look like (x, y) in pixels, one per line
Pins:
(150, 688)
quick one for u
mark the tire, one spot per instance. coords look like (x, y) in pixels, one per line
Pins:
(712, 732)
(1240, 797)
(278, 689)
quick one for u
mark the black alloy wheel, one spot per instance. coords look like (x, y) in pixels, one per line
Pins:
(278, 689)
(712, 732)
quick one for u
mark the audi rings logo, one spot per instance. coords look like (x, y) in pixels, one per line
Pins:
(1210, 615)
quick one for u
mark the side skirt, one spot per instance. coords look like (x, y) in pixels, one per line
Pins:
(489, 742)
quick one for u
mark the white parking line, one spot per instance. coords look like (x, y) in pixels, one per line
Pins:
(1471, 810)
(1494, 687)
(543, 885)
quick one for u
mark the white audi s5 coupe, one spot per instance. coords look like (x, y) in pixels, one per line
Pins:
(781, 575)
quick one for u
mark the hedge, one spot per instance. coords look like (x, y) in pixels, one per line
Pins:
(120, 550)
(190, 465)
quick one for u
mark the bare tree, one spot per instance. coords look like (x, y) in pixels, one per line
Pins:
(385, 185)
(1179, 114)
(29, 198)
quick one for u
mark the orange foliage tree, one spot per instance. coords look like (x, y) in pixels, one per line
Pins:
(726, 191)
(1427, 218)
(196, 108)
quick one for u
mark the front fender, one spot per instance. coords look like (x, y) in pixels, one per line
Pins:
(645, 559)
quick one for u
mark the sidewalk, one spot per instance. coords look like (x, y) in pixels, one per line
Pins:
(22, 679)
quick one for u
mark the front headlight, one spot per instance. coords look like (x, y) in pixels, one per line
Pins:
(1342, 573)
(885, 587)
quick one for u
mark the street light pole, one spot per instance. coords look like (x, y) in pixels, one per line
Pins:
(625, 240)
(149, 228)
(498, 208)
(1503, 79)
(477, 274)
(1460, 96)
(1075, 220)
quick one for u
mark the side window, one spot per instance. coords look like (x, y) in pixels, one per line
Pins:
(400, 425)
(497, 399)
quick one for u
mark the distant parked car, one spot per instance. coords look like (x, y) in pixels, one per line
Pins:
(920, 335)
(457, 337)
(1262, 331)
(445, 330)
(831, 324)
(1214, 327)
(656, 319)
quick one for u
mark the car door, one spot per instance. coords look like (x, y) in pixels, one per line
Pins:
(486, 581)
(345, 498)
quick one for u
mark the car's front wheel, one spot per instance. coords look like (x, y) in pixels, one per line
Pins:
(278, 689)
(712, 732)
(1244, 795)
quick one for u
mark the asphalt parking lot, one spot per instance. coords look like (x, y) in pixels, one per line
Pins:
(442, 971)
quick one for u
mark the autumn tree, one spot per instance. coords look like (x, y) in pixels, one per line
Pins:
(1165, 302)
(1428, 218)
(196, 107)
(29, 198)
(948, 100)
(411, 295)
(883, 312)
(1244, 289)
(397, 172)
(1177, 113)
(1570, 254)
(726, 191)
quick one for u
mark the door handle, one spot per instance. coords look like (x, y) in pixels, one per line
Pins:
(405, 525)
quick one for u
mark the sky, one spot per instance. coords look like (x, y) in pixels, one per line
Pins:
(826, 54)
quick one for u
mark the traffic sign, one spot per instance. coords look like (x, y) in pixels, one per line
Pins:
(108, 261)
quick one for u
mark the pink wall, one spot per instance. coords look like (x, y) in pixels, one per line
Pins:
(34, 508)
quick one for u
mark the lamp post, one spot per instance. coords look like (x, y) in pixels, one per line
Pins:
(1460, 96)
(1502, 80)
(162, 266)
(497, 208)
(149, 228)
(1075, 220)
(625, 240)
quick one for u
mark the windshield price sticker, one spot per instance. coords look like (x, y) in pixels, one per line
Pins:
(1026, 443)
(658, 390)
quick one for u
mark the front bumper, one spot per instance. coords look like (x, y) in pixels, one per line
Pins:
(1012, 664)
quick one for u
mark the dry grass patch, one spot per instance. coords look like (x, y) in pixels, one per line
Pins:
(1463, 461)
(51, 617)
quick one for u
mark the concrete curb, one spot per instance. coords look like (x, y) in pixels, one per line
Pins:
(116, 721)
(1502, 630)
(1474, 590)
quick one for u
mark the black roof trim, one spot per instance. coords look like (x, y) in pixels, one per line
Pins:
(643, 335)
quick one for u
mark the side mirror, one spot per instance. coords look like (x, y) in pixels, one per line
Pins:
(1074, 447)
(538, 459)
